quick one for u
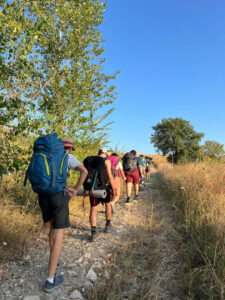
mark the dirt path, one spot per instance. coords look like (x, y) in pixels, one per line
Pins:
(84, 263)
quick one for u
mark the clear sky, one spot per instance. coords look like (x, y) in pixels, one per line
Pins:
(171, 57)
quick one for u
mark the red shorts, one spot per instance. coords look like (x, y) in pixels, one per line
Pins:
(132, 176)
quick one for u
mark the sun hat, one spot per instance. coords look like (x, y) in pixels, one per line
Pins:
(68, 143)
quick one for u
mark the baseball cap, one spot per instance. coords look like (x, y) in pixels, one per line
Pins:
(68, 143)
(102, 150)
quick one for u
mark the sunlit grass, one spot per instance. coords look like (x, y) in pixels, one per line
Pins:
(198, 194)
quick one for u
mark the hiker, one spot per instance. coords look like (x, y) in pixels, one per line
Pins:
(117, 172)
(54, 205)
(148, 169)
(142, 166)
(131, 169)
(99, 178)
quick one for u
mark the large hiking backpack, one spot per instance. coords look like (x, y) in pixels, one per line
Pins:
(47, 171)
(97, 178)
(114, 161)
(129, 162)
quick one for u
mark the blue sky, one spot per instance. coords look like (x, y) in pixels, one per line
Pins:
(171, 57)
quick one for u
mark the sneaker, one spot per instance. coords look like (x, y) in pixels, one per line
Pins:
(50, 287)
(128, 200)
(108, 228)
(136, 197)
(94, 236)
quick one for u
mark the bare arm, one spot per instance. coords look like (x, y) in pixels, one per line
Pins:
(83, 174)
(122, 173)
(141, 170)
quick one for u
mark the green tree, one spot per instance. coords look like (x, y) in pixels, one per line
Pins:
(177, 138)
(51, 70)
(213, 149)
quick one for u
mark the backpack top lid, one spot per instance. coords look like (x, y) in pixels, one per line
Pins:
(128, 155)
(48, 142)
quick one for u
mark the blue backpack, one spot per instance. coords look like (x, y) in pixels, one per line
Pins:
(47, 171)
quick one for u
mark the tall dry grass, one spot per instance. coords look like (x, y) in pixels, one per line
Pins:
(198, 194)
(20, 219)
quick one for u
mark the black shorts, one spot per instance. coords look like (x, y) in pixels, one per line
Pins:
(56, 208)
(96, 201)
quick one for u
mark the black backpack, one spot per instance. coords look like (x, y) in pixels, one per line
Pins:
(129, 162)
(97, 178)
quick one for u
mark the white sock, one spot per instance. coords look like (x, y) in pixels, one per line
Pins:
(50, 280)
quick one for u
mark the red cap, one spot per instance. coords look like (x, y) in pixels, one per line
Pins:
(68, 143)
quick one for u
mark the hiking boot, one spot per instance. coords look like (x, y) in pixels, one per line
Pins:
(108, 228)
(94, 236)
(136, 197)
(50, 287)
(128, 200)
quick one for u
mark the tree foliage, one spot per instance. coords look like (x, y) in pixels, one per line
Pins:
(213, 149)
(51, 70)
(176, 137)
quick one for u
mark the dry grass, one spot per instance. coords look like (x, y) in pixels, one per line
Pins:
(198, 193)
(16, 230)
(20, 219)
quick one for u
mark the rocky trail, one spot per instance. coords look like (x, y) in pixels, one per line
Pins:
(84, 264)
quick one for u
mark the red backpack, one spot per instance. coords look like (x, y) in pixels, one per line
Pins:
(114, 161)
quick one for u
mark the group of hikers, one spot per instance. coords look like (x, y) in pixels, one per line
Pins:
(103, 172)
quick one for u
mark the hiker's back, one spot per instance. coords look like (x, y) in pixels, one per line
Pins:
(47, 171)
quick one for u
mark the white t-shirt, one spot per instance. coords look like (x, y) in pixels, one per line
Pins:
(119, 166)
(73, 162)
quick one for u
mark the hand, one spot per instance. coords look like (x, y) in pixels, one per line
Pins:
(72, 193)
(125, 179)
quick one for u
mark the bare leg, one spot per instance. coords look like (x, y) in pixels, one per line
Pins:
(55, 242)
(50, 236)
(136, 188)
(92, 217)
(117, 195)
(108, 211)
(128, 187)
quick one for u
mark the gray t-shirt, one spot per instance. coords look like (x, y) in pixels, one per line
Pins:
(73, 162)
